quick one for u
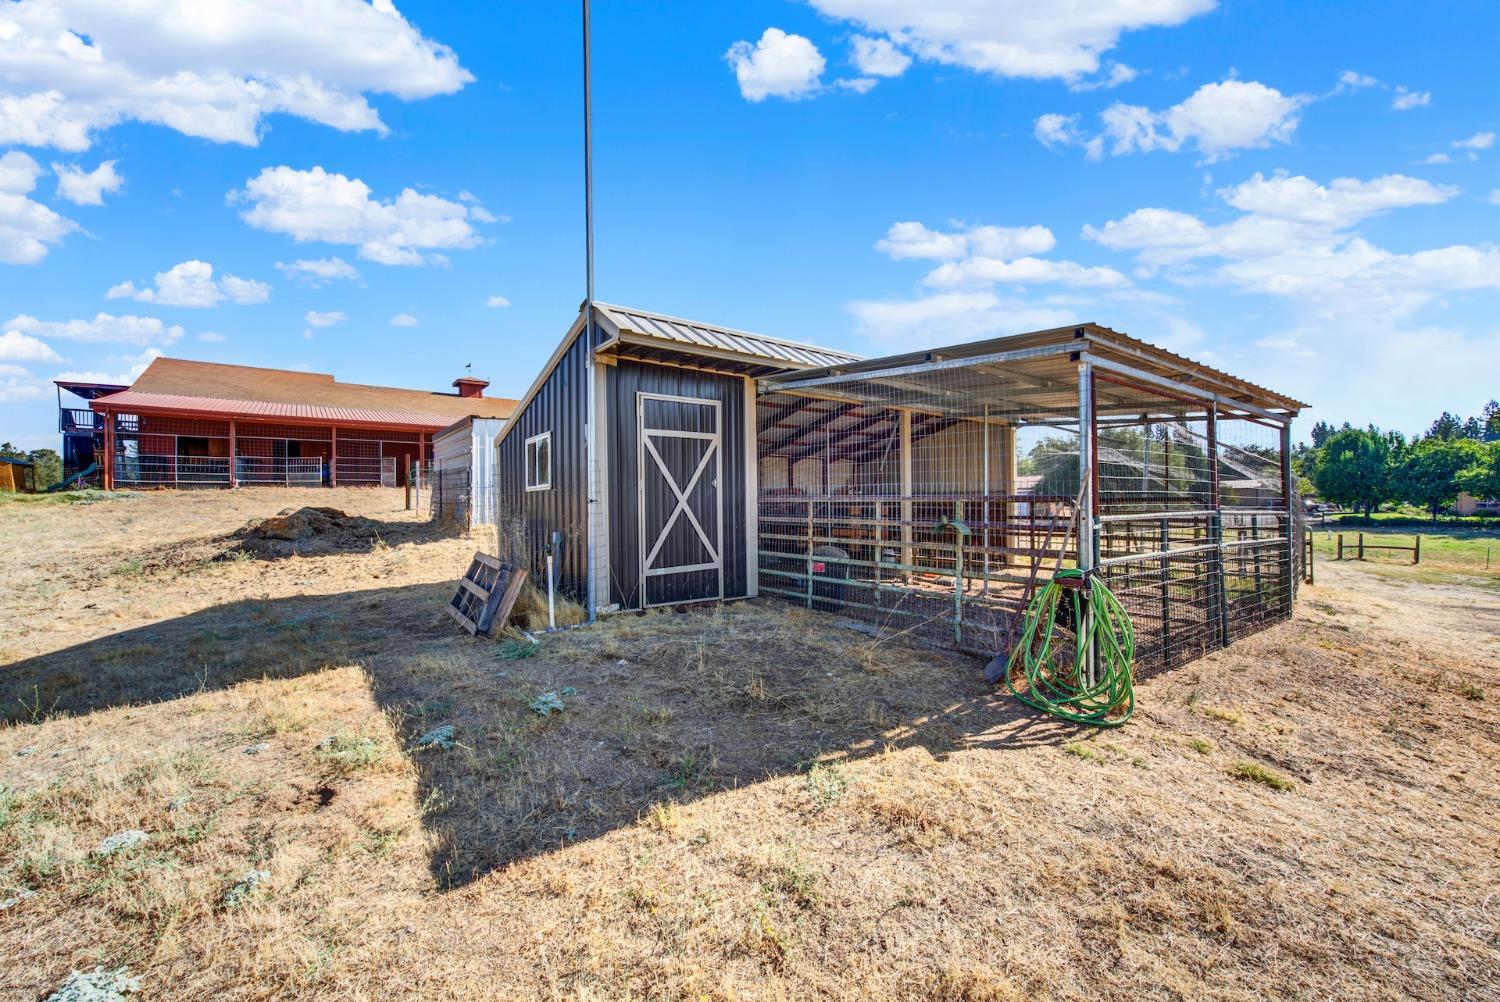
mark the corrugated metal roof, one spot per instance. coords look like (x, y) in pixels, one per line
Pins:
(132, 401)
(693, 334)
(217, 381)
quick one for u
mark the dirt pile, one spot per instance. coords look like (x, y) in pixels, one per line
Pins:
(311, 530)
(292, 524)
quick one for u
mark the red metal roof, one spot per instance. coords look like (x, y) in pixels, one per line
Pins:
(132, 401)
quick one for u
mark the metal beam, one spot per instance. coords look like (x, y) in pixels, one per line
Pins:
(999, 358)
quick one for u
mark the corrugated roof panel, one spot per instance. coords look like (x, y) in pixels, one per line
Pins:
(688, 332)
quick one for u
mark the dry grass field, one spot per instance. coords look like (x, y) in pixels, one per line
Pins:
(743, 803)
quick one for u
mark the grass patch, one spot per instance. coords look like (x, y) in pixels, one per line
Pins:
(1083, 751)
(1226, 714)
(1471, 691)
(349, 753)
(1201, 745)
(1254, 772)
(824, 783)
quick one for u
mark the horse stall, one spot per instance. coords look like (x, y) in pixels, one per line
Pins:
(931, 494)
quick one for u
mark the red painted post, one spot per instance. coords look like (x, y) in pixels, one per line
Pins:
(109, 452)
(333, 456)
(232, 481)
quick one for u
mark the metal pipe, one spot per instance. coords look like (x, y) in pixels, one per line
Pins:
(1085, 512)
(591, 444)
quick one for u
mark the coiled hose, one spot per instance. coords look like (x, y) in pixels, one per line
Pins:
(1059, 685)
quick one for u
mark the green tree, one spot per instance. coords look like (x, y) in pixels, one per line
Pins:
(1353, 469)
(48, 467)
(1481, 478)
(1427, 474)
(1448, 426)
(1321, 433)
(1490, 417)
(8, 451)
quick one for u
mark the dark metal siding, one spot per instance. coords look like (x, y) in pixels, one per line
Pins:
(561, 407)
(623, 381)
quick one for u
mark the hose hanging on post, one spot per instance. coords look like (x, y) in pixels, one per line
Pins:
(1101, 627)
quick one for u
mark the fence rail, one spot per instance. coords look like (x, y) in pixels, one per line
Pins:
(282, 472)
(1358, 548)
(172, 471)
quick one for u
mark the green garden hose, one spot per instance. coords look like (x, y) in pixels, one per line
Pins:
(1059, 685)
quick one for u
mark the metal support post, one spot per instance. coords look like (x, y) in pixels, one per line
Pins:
(1086, 538)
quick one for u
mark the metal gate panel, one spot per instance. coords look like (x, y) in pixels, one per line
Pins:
(680, 466)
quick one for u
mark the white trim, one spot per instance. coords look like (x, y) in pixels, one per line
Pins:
(599, 463)
(526, 462)
(752, 492)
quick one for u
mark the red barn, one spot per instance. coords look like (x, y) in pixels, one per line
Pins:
(202, 424)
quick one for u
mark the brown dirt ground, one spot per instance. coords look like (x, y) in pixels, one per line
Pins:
(749, 802)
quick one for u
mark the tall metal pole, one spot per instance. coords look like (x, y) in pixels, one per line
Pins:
(1087, 481)
(590, 391)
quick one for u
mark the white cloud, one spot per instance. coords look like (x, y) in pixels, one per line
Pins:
(315, 205)
(403, 320)
(27, 228)
(1495, 197)
(83, 187)
(1294, 240)
(497, 301)
(1405, 100)
(1023, 271)
(914, 240)
(18, 347)
(318, 319)
(318, 272)
(878, 57)
(779, 65)
(192, 284)
(213, 69)
(104, 328)
(1014, 38)
(1344, 202)
(1117, 75)
(137, 364)
(18, 384)
(1218, 118)
(1478, 141)
(950, 318)
(1353, 80)
(212, 336)
(1053, 129)
(1437, 158)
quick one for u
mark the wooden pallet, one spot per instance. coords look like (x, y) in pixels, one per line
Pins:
(486, 594)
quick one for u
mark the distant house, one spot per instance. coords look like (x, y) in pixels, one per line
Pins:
(1468, 504)
(203, 424)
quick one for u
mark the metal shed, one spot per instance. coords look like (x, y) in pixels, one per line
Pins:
(925, 493)
(665, 513)
(463, 471)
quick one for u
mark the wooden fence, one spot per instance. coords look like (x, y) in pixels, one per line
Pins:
(1357, 549)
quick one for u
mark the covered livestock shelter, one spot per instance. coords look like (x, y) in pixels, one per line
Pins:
(186, 423)
(927, 493)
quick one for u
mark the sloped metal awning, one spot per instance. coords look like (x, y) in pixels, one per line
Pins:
(1033, 378)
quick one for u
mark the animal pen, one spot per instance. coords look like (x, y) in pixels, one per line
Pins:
(928, 494)
(933, 493)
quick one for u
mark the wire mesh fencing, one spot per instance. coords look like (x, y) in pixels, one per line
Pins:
(934, 499)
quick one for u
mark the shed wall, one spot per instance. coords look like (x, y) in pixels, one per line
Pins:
(528, 518)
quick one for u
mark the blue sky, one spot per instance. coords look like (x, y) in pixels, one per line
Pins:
(1303, 194)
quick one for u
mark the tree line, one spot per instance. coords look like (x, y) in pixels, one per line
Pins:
(1363, 468)
(48, 464)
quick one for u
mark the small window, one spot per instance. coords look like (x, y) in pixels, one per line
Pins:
(539, 462)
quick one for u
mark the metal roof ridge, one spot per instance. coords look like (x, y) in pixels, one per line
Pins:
(727, 330)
